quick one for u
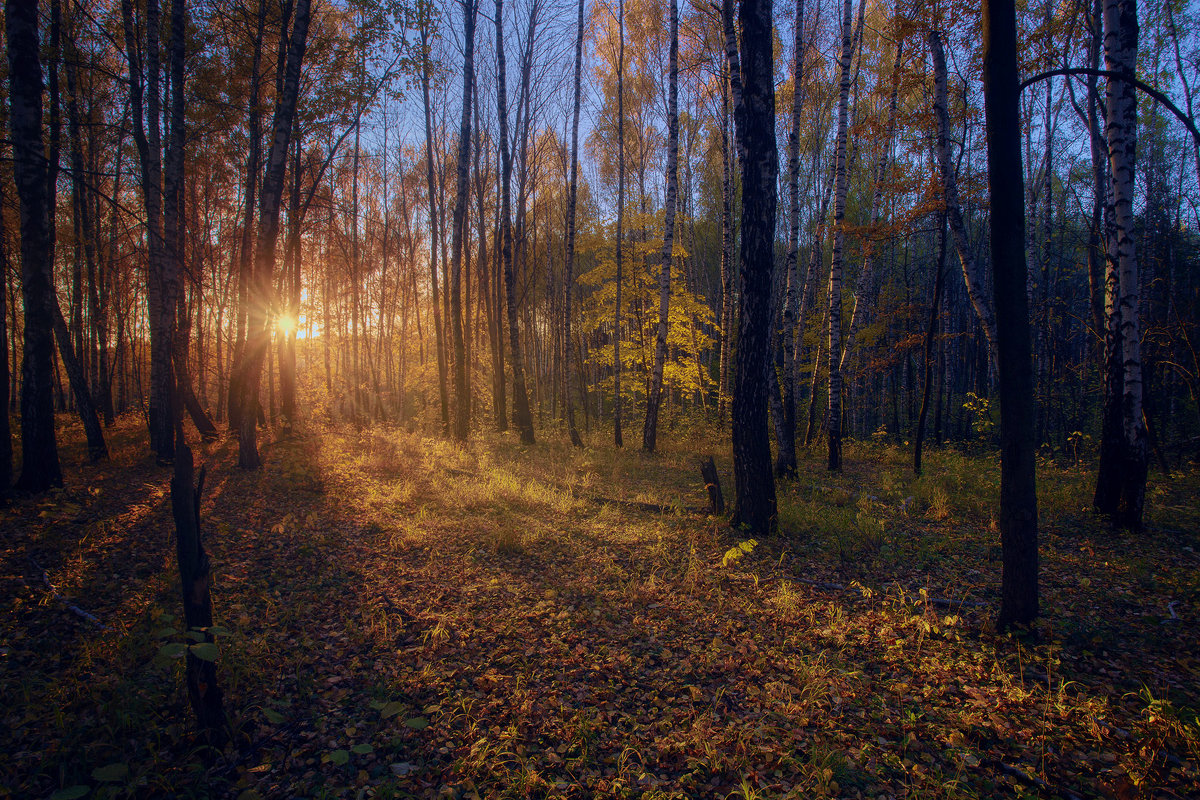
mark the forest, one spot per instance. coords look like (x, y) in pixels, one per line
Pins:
(600, 398)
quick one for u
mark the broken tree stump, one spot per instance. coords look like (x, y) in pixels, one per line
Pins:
(194, 572)
(712, 482)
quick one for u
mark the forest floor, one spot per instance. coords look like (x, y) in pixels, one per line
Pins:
(403, 617)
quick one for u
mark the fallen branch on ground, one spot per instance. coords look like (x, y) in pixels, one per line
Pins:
(74, 609)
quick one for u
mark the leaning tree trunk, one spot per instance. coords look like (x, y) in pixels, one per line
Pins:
(654, 398)
(39, 467)
(1120, 57)
(971, 272)
(462, 399)
(521, 416)
(258, 321)
(754, 114)
(1018, 488)
(97, 449)
(569, 265)
(833, 421)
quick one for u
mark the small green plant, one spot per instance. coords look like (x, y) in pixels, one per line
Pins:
(980, 410)
(733, 554)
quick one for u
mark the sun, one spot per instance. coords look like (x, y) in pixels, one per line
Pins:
(286, 324)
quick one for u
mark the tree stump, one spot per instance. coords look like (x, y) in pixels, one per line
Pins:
(712, 482)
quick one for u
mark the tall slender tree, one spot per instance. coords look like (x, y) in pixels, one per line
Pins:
(785, 456)
(754, 114)
(620, 245)
(833, 422)
(433, 189)
(462, 399)
(1018, 486)
(39, 451)
(258, 339)
(569, 265)
(522, 419)
(654, 395)
(1120, 59)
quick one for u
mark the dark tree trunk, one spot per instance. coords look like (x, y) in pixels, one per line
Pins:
(521, 416)
(97, 449)
(462, 399)
(245, 262)
(785, 458)
(754, 110)
(183, 380)
(204, 692)
(258, 323)
(930, 331)
(569, 264)
(39, 468)
(1018, 486)
(439, 332)
(6, 448)
(618, 440)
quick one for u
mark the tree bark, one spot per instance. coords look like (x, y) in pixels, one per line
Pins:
(620, 247)
(245, 262)
(833, 421)
(258, 319)
(1120, 56)
(1018, 489)
(785, 456)
(754, 104)
(654, 398)
(97, 449)
(204, 692)
(569, 263)
(462, 400)
(39, 467)
(930, 331)
(521, 416)
(971, 272)
(431, 183)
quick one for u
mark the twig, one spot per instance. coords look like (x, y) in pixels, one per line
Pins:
(74, 609)
(1032, 780)
(937, 601)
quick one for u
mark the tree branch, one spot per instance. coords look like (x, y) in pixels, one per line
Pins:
(1158, 96)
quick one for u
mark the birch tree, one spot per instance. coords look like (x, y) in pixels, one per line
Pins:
(833, 421)
(958, 229)
(1120, 59)
(654, 396)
